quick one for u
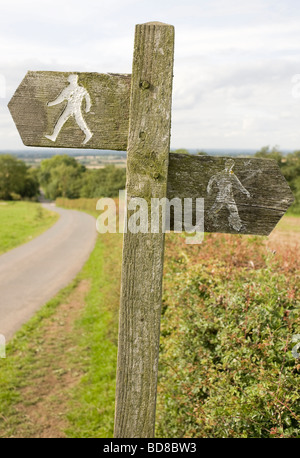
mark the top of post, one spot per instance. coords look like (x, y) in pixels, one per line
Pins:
(157, 23)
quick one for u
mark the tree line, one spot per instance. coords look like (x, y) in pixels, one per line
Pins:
(60, 176)
(289, 165)
(64, 176)
(290, 168)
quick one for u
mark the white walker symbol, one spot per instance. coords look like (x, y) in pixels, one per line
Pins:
(74, 94)
(226, 181)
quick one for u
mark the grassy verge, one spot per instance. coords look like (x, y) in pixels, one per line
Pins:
(59, 375)
(92, 411)
(22, 221)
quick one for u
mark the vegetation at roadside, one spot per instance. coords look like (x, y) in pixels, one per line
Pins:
(58, 378)
(91, 410)
(17, 180)
(22, 221)
(231, 307)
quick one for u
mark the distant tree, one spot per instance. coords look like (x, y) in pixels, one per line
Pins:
(61, 176)
(291, 171)
(32, 185)
(16, 179)
(201, 153)
(267, 153)
(103, 182)
(290, 168)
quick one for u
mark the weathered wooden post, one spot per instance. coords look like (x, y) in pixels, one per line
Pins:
(141, 290)
(241, 196)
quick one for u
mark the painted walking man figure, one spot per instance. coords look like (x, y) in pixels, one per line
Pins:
(226, 181)
(74, 94)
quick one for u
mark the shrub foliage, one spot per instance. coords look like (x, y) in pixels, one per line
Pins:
(226, 366)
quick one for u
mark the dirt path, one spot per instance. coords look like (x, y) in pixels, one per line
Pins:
(33, 273)
(43, 414)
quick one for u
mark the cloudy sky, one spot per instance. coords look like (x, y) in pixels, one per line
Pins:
(237, 64)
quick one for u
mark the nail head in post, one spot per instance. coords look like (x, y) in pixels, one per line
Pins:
(156, 175)
(145, 84)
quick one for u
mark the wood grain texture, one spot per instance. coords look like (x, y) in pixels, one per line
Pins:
(270, 195)
(108, 118)
(147, 168)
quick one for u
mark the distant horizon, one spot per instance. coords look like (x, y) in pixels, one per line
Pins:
(236, 66)
(94, 152)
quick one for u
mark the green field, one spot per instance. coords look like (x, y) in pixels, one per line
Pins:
(230, 309)
(22, 221)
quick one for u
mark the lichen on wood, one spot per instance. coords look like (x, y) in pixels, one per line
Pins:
(147, 170)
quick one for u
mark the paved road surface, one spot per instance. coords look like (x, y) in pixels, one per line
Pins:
(33, 273)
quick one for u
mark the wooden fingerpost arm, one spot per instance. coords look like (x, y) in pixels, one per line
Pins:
(142, 268)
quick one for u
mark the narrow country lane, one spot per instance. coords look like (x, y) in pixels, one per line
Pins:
(33, 273)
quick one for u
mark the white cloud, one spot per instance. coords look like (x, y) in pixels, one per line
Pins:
(233, 61)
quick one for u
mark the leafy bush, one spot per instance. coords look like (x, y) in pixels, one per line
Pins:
(61, 176)
(17, 180)
(226, 367)
(104, 182)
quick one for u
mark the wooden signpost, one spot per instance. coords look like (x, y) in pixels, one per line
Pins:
(91, 110)
(105, 96)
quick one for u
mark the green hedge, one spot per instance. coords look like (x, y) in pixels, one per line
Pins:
(226, 366)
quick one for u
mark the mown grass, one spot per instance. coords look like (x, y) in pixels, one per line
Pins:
(22, 221)
(92, 409)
